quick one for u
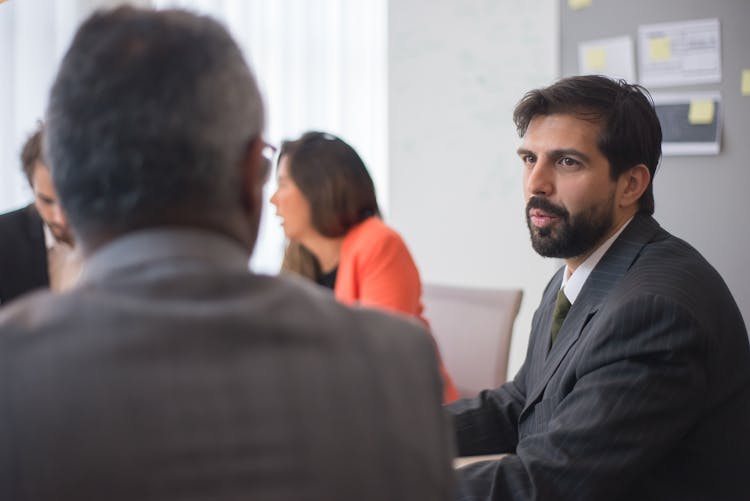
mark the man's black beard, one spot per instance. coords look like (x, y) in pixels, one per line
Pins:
(573, 235)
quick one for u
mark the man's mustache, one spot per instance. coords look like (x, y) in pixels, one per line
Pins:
(544, 204)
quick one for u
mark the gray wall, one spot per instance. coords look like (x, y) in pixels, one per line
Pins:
(456, 70)
(701, 199)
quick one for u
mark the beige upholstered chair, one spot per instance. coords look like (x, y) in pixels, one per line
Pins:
(473, 328)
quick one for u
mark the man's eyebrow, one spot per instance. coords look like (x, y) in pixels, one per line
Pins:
(569, 152)
(563, 152)
(524, 151)
(46, 198)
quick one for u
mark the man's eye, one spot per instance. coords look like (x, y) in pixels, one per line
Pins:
(569, 162)
(528, 159)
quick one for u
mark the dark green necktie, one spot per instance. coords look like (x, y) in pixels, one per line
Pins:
(562, 305)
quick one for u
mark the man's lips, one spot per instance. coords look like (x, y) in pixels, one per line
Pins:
(541, 218)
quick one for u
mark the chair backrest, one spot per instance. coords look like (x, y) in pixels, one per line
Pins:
(473, 328)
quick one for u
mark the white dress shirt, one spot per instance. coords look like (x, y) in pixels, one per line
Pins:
(63, 263)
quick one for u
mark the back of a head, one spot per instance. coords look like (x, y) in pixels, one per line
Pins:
(334, 180)
(631, 133)
(148, 120)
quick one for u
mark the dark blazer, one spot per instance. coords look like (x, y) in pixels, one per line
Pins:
(644, 395)
(23, 253)
(171, 373)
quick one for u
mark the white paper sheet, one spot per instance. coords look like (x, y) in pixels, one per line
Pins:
(612, 57)
(681, 53)
(689, 127)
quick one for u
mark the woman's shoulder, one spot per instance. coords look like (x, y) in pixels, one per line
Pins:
(370, 231)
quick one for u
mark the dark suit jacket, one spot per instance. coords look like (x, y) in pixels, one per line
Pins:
(645, 394)
(23, 253)
(172, 373)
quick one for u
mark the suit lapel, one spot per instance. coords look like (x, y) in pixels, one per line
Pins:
(608, 272)
(542, 325)
(37, 246)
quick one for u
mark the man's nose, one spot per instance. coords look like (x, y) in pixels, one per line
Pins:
(541, 179)
(58, 216)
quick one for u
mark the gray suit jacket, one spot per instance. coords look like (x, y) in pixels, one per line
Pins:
(644, 395)
(172, 373)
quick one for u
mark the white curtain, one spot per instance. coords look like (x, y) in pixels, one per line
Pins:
(33, 37)
(321, 64)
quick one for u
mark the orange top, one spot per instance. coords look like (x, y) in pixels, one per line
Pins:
(376, 270)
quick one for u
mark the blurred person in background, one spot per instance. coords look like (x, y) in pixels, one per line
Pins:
(36, 243)
(337, 238)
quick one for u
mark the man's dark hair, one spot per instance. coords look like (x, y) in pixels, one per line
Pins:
(630, 134)
(149, 119)
(334, 180)
(31, 153)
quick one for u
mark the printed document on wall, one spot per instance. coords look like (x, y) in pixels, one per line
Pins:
(690, 122)
(681, 53)
(612, 57)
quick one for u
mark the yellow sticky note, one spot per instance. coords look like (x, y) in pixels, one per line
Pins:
(596, 58)
(660, 49)
(746, 82)
(701, 112)
(579, 4)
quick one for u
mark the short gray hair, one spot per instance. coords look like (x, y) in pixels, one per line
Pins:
(151, 114)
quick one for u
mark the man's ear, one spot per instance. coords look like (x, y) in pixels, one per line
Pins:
(632, 184)
(253, 175)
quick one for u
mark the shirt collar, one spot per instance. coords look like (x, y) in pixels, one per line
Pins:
(49, 238)
(574, 283)
(51, 241)
(164, 245)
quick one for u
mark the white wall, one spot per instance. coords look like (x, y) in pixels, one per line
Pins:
(456, 70)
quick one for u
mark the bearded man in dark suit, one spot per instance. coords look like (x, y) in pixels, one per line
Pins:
(636, 383)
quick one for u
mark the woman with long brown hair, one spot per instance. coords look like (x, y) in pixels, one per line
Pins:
(337, 238)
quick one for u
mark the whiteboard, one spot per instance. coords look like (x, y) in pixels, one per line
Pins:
(456, 71)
